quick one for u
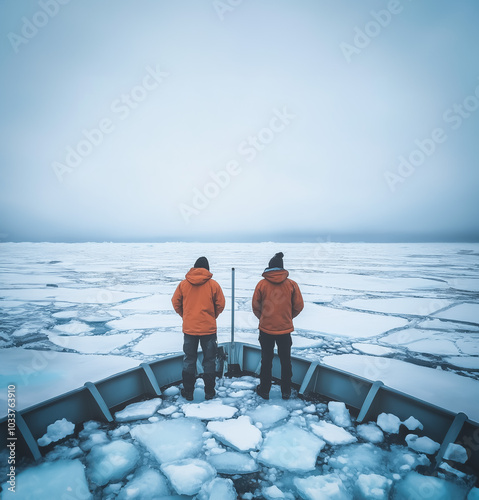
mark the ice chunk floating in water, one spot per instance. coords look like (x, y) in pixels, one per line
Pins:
(56, 431)
(135, 411)
(238, 433)
(187, 476)
(49, 481)
(290, 448)
(172, 439)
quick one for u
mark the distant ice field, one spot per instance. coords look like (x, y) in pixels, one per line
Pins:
(83, 311)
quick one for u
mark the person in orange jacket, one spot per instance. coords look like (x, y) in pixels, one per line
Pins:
(199, 300)
(276, 301)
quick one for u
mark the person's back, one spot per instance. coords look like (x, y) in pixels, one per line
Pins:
(199, 300)
(196, 300)
(276, 301)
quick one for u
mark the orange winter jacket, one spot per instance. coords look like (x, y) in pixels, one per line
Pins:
(276, 301)
(199, 300)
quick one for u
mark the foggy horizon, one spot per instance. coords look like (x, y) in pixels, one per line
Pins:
(214, 121)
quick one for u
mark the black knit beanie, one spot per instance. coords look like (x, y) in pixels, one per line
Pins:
(202, 262)
(276, 261)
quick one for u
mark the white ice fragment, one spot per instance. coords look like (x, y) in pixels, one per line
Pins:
(364, 457)
(144, 485)
(188, 475)
(412, 424)
(171, 440)
(209, 410)
(373, 487)
(95, 438)
(120, 431)
(136, 411)
(456, 453)
(238, 433)
(272, 493)
(446, 467)
(73, 328)
(422, 444)
(327, 487)
(168, 411)
(389, 423)
(50, 480)
(268, 415)
(56, 431)
(332, 434)
(218, 489)
(233, 462)
(438, 489)
(243, 384)
(339, 413)
(111, 462)
(290, 448)
(370, 432)
(171, 391)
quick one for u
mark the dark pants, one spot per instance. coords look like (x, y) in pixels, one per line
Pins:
(284, 343)
(190, 348)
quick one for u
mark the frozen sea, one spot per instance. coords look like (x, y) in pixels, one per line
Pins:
(400, 313)
(392, 312)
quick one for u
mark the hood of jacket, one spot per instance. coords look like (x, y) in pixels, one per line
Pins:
(198, 276)
(275, 275)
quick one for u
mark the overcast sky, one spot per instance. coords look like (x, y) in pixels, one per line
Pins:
(228, 119)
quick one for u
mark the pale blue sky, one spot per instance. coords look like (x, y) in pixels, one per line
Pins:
(327, 166)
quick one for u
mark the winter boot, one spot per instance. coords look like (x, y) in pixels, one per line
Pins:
(210, 381)
(188, 385)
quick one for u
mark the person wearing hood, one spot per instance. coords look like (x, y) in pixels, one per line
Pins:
(199, 300)
(276, 301)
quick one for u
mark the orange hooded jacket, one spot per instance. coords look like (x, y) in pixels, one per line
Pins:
(276, 301)
(199, 300)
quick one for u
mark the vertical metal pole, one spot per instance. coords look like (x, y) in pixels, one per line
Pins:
(232, 309)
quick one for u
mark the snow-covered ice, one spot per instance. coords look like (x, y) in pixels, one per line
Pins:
(418, 486)
(171, 439)
(339, 413)
(135, 411)
(370, 432)
(233, 462)
(422, 444)
(332, 434)
(413, 423)
(268, 415)
(373, 487)
(239, 433)
(112, 461)
(389, 423)
(456, 453)
(290, 448)
(146, 484)
(188, 475)
(209, 410)
(56, 431)
(467, 312)
(218, 489)
(345, 323)
(329, 487)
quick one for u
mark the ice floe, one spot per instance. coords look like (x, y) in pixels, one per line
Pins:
(56, 431)
(171, 440)
(135, 411)
(239, 433)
